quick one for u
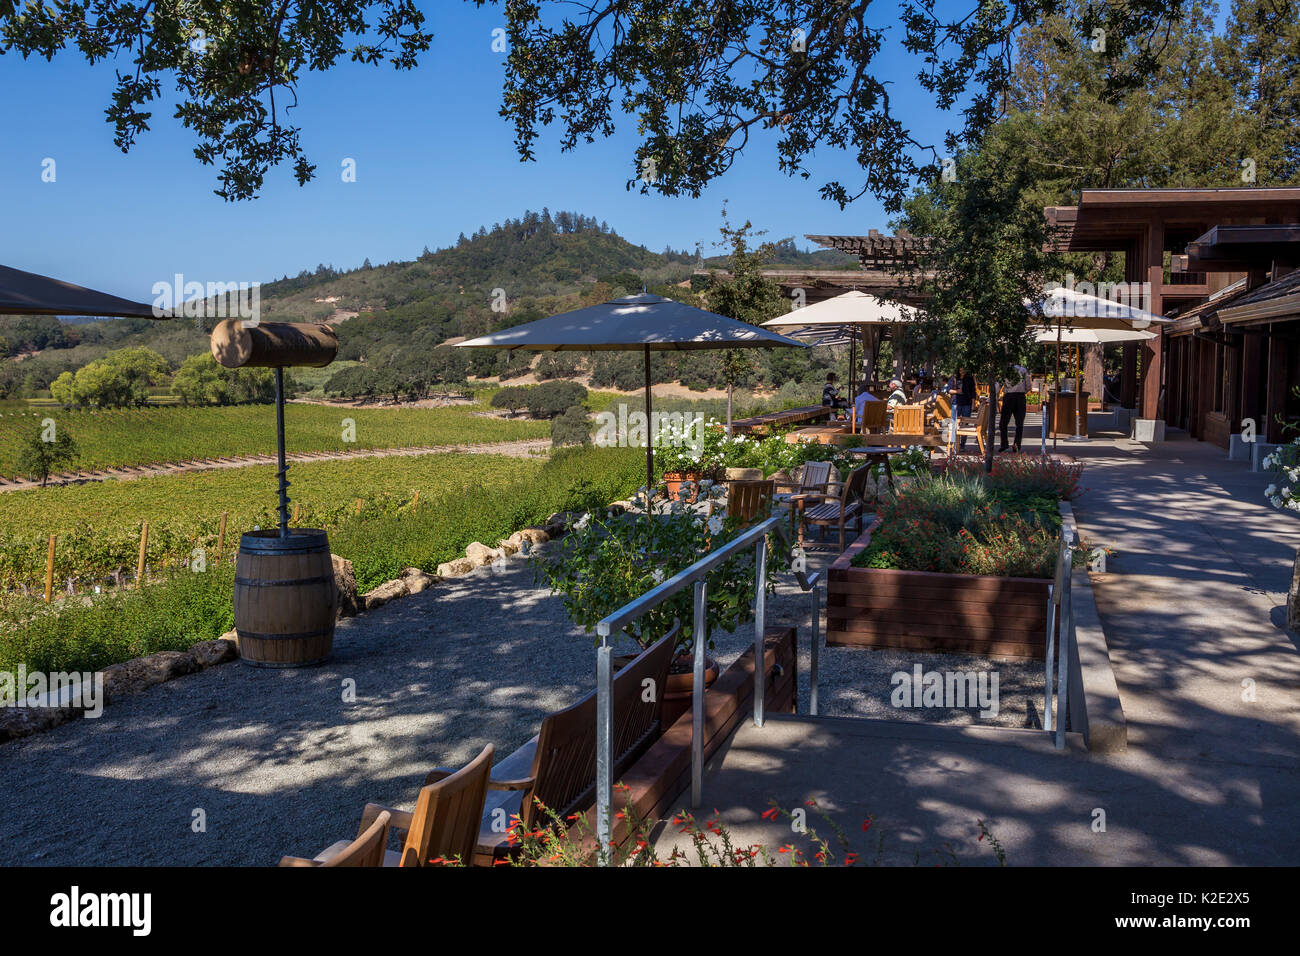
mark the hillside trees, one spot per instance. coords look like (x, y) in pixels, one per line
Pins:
(120, 378)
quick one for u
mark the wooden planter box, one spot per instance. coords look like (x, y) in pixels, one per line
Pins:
(931, 611)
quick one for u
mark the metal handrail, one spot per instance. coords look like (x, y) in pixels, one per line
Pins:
(1059, 599)
(696, 574)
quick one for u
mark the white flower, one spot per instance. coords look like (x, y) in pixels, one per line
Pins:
(698, 522)
(658, 575)
(1270, 491)
(715, 525)
(582, 522)
(1294, 504)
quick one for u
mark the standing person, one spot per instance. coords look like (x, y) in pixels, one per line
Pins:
(1013, 404)
(966, 397)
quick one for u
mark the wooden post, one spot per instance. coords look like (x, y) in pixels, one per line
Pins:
(144, 544)
(296, 506)
(49, 571)
(221, 537)
(415, 502)
(358, 506)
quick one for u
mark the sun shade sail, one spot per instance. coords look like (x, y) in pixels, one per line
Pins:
(26, 293)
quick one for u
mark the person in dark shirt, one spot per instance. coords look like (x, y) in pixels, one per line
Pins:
(966, 398)
(831, 393)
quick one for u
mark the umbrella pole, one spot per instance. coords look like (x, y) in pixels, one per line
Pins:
(649, 441)
(853, 361)
(1056, 396)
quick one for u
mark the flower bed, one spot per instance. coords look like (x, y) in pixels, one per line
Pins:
(960, 564)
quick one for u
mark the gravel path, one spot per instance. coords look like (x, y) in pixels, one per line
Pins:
(279, 763)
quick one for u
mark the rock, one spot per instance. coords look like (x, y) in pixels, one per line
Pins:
(214, 652)
(508, 547)
(453, 569)
(232, 636)
(533, 535)
(134, 676)
(388, 591)
(480, 554)
(416, 580)
(18, 722)
(350, 603)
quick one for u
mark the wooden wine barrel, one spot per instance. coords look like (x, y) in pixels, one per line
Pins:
(237, 344)
(285, 598)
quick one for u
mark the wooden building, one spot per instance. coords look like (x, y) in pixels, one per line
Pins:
(1189, 246)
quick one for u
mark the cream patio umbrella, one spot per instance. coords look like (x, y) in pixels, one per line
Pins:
(1069, 316)
(848, 311)
(642, 323)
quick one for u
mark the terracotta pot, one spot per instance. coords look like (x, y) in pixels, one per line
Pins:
(681, 686)
(673, 481)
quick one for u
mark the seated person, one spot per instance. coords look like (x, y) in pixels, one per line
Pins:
(831, 393)
(896, 395)
(860, 402)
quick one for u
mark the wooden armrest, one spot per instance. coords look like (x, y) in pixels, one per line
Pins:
(297, 861)
(521, 784)
(399, 820)
(809, 496)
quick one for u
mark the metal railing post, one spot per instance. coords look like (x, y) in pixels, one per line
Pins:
(760, 627)
(815, 648)
(1063, 660)
(604, 749)
(1051, 642)
(697, 695)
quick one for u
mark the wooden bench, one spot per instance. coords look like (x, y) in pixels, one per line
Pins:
(558, 766)
(761, 424)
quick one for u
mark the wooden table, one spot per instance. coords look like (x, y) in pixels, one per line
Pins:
(878, 456)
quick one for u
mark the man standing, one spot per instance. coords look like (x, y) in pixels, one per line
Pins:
(1013, 403)
(966, 397)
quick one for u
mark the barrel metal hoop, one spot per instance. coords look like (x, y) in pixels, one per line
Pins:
(283, 582)
(252, 635)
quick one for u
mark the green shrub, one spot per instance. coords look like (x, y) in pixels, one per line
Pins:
(169, 615)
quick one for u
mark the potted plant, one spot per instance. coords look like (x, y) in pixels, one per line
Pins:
(604, 563)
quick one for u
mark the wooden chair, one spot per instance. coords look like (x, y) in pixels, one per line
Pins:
(972, 428)
(837, 511)
(750, 499)
(874, 417)
(445, 822)
(909, 420)
(561, 759)
(814, 478)
(366, 850)
(941, 411)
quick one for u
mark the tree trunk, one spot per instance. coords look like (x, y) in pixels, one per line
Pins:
(1293, 597)
(730, 386)
(992, 424)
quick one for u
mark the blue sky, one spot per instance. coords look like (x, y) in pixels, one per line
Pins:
(433, 159)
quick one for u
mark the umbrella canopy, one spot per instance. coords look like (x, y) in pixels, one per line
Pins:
(643, 323)
(26, 293)
(1071, 336)
(849, 308)
(635, 322)
(1069, 308)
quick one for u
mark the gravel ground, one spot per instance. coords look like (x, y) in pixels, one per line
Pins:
(278, 762)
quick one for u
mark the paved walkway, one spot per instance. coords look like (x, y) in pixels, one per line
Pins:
(1193, 604)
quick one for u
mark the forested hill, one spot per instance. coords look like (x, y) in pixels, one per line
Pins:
(528, 267)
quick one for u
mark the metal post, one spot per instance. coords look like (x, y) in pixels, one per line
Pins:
(1063, 661)
(649, 436)
(604, 749)
(279, 452)
(1051, 640)
(697, 694)
(815, 649)
(760, 627)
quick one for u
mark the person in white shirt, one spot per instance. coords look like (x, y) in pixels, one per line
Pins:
(897, 396)
(1013, 406)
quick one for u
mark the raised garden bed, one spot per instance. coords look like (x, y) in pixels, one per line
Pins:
(934, 611)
